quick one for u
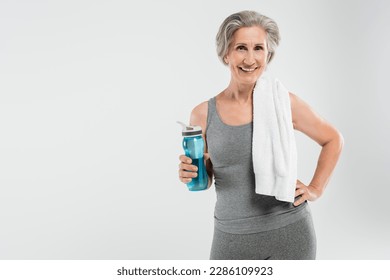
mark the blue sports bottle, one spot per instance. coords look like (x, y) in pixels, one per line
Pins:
(193, 145)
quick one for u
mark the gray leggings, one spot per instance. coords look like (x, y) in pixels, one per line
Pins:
(296, 241)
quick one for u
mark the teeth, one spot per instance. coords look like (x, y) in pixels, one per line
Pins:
(248, 70)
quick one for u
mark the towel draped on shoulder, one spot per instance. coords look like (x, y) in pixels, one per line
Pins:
(274, 150)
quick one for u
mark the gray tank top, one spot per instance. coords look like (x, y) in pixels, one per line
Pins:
(238, 208)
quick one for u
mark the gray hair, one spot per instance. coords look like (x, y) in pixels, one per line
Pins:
(246, 19)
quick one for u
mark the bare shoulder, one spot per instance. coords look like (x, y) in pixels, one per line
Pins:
(306, 120)
(301, 112)
(294, 100)
(292, 97)
(199, 115)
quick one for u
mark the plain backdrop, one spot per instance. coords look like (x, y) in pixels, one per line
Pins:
(90, 92)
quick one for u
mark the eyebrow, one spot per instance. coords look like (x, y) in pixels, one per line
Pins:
(243, 44)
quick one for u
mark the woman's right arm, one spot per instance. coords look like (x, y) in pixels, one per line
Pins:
(187, 171)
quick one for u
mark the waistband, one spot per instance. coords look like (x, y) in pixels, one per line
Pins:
(264, 222)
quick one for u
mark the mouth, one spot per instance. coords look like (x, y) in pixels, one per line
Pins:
(247, 70)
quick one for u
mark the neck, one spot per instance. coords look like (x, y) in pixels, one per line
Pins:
(241, 93)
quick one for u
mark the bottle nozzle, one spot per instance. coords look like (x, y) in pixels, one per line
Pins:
(189, 130)
(183, 125)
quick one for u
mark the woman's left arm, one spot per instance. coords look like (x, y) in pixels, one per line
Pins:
(310, 123)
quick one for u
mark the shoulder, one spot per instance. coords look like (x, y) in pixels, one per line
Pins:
(199, 114)
(293, 99)
(309, 122)
(299, 109)
(297, 103)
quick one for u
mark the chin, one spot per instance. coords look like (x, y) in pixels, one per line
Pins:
(249, 80)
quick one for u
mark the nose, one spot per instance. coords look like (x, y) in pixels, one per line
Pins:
(249, 58)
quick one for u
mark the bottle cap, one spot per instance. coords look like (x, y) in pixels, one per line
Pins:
(190, 131)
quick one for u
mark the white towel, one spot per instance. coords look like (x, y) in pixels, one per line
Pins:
(274, 149)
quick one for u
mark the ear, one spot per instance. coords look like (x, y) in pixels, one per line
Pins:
(226, 60)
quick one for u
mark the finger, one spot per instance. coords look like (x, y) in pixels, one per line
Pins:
(206, 156)
(185, 174)
(185, 159)
(186, 180)
(299, 191)
(188, 167)
(299, 201)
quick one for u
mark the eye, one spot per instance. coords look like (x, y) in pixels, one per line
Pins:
(259, 48)
(241, 48)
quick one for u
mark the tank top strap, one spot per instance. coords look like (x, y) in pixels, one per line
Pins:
(212, 110)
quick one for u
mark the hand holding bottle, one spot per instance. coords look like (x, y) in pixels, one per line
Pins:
(187, 171)
(192, 168)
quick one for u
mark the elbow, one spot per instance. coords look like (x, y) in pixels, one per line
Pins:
(339, 139)
(336, 140)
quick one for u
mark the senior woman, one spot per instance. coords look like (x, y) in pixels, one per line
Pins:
(249, 225)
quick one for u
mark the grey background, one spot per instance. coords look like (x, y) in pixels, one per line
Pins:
(89, 95)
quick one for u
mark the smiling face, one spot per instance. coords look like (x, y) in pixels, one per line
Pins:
(247, 55)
